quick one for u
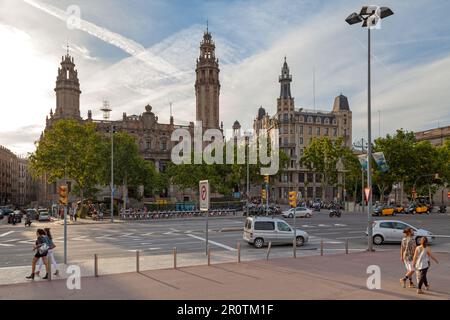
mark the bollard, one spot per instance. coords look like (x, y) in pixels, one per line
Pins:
(321, 247)
(209, 255)
(137, 261)
(175, 257)
(239, 252)
(96, 265)
(268, 250)
(346, 246)
(294, 247)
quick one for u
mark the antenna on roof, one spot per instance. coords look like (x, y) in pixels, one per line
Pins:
(314, 88)
(170, 109)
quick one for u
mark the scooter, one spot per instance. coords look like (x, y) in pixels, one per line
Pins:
(27, 222)
(335, 212)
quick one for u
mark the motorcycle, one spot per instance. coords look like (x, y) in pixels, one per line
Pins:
(335, 212)
(442, 209)
(27, 222)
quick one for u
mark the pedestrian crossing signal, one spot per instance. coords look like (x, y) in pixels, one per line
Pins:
(293, 199)
(63, 195)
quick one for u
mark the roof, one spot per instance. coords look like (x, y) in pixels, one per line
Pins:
(341, 103)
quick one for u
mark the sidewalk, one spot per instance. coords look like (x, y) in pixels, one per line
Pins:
(314, 277)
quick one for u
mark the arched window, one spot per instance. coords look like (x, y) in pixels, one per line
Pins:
(318, 120)
(327, 121)
(334, 121)
(310, 119)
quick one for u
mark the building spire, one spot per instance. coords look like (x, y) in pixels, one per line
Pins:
(207, 26)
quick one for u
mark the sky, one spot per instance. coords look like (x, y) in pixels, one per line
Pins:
(138, 52)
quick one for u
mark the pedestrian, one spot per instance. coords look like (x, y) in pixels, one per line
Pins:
(75, 215)
(421, 261)
(71, 213)
(407, 250)
(41, 249)
(50, 254)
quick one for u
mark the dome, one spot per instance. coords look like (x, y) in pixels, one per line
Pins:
(236, 125)
(341, 103)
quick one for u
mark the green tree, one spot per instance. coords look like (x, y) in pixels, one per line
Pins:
(322, 156)
(69, 150)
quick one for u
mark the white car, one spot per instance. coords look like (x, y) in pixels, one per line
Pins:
(299, 212)
(392, 231)
(44, 216)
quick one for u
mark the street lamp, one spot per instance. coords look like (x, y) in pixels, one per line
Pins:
(370, 16)
(106, 114)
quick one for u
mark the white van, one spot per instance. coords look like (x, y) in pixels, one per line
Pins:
(262, 230)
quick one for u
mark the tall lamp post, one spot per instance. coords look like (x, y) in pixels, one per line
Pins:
(370, 16)
(106, 114)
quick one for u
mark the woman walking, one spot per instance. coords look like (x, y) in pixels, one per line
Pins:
(41, 249)
(421, 261)
(50, 255)
(407, 250)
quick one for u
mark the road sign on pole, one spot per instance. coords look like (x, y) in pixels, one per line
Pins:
(204, 205)
(204, 195)
(367, 193)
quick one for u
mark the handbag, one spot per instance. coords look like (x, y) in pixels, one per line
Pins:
(43, 248)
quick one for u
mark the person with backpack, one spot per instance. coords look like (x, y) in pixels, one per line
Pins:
(407, 250)
(41, 249)
(50, 255)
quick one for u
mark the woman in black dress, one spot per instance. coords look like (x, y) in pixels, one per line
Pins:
(41, 249)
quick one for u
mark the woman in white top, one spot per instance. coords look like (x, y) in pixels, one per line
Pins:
(421, 261)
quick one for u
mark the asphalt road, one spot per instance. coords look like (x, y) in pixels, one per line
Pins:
(159, 237)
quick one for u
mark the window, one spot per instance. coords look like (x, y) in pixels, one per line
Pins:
(301, 177)
(301, 152)
(282, 226)
(302, 119)
(334, 121)
(327, 121)
(400, 226)
(326, 131)
(301, 140)
(301, 129)
(334, 132)
(285, 117)
(148, 145)
(163, 145)
(309, 130)
(310, 177)
(318, 120)
(345, 121)
(285, 129)
(318, 131)
(387, 225)
(310, 119)
(264, 225)
(345, 132)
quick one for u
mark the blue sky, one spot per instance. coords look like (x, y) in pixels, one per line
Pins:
(411, 59)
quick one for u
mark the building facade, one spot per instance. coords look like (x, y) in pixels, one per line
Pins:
(153, 137)
(436, 136)
(17, 187)
(297, 127)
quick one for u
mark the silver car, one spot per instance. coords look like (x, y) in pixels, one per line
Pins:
(300, 212)
(392, 231)
(261, 230)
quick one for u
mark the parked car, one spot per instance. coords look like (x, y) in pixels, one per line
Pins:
(6, 211)
(33, 214)
(384, 211)
(262, 230)
(399, 209)
(417, 208)
(44, 216)
(299, 212)
(392, 231)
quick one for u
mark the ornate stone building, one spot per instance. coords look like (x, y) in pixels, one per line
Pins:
(297, 128)
(153, 137)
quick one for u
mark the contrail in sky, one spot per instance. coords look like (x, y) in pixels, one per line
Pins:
(129, 46)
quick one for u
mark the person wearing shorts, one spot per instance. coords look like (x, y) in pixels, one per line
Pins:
(41, 253)
(407, 250)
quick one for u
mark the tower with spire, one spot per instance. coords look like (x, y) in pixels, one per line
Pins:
(207, 84)
(285, 101)
(67, 90)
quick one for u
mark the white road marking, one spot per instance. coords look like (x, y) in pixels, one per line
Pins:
(6, 245)
(27, 241)
(213, 242)
(12, 240)
(324, 225)
(356, 232)
(126, 235)
(148, 233)
(81, 238)
(343, 238)
(340, 225)
(6, 233)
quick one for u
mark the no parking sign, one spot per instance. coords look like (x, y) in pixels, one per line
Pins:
(204, 195)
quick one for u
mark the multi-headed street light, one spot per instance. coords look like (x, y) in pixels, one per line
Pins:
(106, 114)
(370, 16)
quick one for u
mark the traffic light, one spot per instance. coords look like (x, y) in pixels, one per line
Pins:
(266, 179)
(263, 194)
(63, 195)
(293, 199)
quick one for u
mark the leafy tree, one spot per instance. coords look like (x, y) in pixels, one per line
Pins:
(69, 150)
(322, 156)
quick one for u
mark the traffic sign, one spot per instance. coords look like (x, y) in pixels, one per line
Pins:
(448, 194)
(204, 195)
(367, 193)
